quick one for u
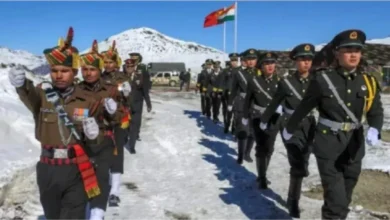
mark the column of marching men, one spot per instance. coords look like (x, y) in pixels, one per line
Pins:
(262, 103)
(83, 127)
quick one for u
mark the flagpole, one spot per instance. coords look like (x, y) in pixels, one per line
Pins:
(235, 27)
(224, 35)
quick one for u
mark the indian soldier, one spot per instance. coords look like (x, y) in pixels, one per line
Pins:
(207, 89)
(140, 94)
(111, 75)
(199, 87)
(231, 68)
(215, 81)
(139, 81)
(237, 97)
(91, 68)
(262, 86)
(66, 126)
(345, 96)
(289, 94)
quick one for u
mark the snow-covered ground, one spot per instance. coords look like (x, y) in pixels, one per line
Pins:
(184, 168)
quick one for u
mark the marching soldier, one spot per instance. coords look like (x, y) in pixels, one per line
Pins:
(345, 96)
(66, 125)
(289, 94)
(111, 75)
(139, 81)
(139, 95)
(237, 97)
(91, 68)
(215, 83)
(262, 86)
(231, 68)
(199, 87)
(206, 86)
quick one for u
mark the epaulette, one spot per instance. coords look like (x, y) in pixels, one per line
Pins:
(259, 72)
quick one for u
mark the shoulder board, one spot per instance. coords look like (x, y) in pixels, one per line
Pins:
(259, 72)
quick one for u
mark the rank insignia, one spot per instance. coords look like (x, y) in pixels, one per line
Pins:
(353, 35)
(307, 48)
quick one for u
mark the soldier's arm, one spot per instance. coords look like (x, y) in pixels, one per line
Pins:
(233, 89)
(145, 88)
(248, 100)
(115, 119)
(198, 81)
(278, 97)
(375, 114)
(30, 96)
(310, 100)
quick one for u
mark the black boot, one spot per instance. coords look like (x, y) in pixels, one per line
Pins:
(226, 130)
(241, 150)
(261, 165)
(268, 159)
(294, 194)
(249, 146)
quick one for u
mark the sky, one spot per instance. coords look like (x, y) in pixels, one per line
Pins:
(34, 26)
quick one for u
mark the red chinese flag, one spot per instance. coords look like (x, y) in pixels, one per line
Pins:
(212, 18)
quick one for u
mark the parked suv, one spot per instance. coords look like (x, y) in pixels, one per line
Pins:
(166, 78)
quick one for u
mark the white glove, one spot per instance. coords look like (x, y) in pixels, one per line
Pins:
(125, 88)
(287, 136)
(372, 136)
(279, 110)
(17, 77)
(110, 105)
(244, 121)
(91, 128)
(263, 126)
(230, 108)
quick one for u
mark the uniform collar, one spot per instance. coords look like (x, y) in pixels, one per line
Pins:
(302, 79)
(347, 74)
(94, 87)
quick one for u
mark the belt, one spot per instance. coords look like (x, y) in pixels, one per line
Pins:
(242, 94)
(338, 126)
(258, 108)
(58, 155)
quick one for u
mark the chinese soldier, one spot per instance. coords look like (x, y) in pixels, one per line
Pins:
(207, 88)
(231, 68)
(289, 94)
(345, 96)
(199, 88)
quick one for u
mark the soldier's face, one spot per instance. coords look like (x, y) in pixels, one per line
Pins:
(130, 68)
(251, 62)
(349, 57)
(109, 65)
(268, 67)
(62, 76)
(234, 63)
(209, 66)
(303, 64)
(90, 74)
(243, 63)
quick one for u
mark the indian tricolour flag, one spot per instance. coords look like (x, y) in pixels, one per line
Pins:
(228, 15)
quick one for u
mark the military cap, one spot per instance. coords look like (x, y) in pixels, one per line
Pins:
(203, 65)
(92, 58)
(136, 57)
(349, 38)
(64, 54)
(209, 62)
(250, 54)
(268, 56)
(112, 54)
(234, 56)
(217, 63)
(302, 50)
(130, 61)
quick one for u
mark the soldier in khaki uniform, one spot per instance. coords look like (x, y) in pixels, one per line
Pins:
(111, 75)
(66, 125)
(91, 67)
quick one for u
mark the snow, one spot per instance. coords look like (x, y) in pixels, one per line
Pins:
(184, 168)
(31, 61)
(157, 47)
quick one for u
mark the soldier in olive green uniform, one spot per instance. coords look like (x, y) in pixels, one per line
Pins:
(91, 67)
(112, 76)
(289, 95)
(230, 70)
(139, 79)
(344, 95)
(199, 88)
(237, 98)
(262, 86)
(66, 125)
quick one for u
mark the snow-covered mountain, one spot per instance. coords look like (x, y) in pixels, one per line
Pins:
(10, 57)
(157, 47)
(385, 41)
